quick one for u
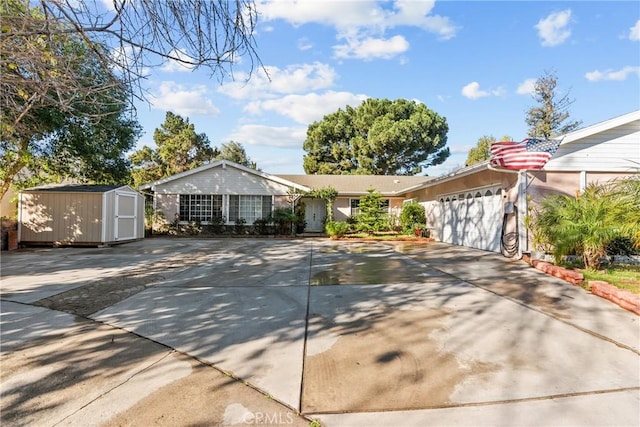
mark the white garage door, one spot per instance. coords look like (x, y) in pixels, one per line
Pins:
(472, 218)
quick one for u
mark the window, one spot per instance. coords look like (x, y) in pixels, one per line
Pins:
(249, 207)
(355, 206)
(200, 207)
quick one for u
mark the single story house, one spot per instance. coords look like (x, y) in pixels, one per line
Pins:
(477, 206)
(80, 215)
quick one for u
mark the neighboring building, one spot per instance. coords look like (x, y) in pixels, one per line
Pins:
(80, 215)
(478, 206)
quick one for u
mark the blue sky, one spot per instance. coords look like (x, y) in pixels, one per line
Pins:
(473, 62)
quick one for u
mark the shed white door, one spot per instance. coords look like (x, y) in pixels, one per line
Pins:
(472, 218)
(126, 218)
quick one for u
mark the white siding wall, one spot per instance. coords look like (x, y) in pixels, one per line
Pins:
(614, 150)
(219, 180)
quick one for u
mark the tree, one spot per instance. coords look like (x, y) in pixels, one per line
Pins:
(550, 117)
(235, 152)
(46, 44)
(178, 148)
(40, 141)
(372, 216)
(213, 34)
(481, 151)
(379, 137)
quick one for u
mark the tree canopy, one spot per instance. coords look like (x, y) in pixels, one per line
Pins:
(379, 137)
(235, 152)
(481, 151)
(78, 65)
(178, 149)
(40, 141)
(550, 117)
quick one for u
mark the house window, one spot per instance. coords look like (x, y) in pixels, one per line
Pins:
(250, 208)
(355, 206)
(200, 207)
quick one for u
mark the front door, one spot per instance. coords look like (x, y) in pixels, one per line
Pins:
(315, 212)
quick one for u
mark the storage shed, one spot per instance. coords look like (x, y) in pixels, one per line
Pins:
(80, 215)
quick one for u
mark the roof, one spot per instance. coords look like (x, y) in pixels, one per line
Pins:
(74, 188)
(566, 139)
(222, 163)
(601, 127)
(359, 184)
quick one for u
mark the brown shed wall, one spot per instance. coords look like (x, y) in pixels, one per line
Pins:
(50, 217)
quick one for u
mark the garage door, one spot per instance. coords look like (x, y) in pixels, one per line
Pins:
(472, 218)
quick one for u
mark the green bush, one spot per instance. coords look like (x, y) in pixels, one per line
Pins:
(412, 214)
(372, 217)
(336, 229)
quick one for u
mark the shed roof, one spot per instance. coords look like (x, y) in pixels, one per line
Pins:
(74, 188)
(359, 184)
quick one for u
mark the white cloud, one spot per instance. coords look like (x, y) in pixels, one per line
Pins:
(370, 48)
(294, 79)
(183, 100)
(634, 32)
(527, 87)
(553, 30)
(269, 136)
(362, 24)
(473, 91)
(171, 65)
(304, 44)
(307, 108)
(619, 75)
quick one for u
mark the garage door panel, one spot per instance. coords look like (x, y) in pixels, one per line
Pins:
(473, 219)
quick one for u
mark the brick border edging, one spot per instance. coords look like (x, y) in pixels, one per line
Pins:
(623, 298)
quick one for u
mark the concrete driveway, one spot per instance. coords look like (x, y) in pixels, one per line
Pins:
(280, 332)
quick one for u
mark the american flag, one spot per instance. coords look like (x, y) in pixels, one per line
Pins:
(530, 153)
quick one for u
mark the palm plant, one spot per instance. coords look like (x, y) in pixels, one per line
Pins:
(626, 209)
(583, 224)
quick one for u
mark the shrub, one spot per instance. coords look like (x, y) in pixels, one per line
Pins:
(412, 214)
(372, 217)
(283, 218)
(239, 225)
(336, 229)
(261, 226)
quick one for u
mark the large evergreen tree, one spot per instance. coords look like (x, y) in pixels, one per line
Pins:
(550, 117)
(379, 137)
(235, 152)
(178, 149)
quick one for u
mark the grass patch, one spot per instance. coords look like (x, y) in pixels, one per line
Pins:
(621, 276)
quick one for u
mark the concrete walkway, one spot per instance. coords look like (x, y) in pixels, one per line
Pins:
(280, 332)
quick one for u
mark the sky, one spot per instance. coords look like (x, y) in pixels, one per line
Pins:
(472, 62)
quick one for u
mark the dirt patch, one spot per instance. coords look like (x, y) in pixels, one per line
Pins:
(103, 293)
